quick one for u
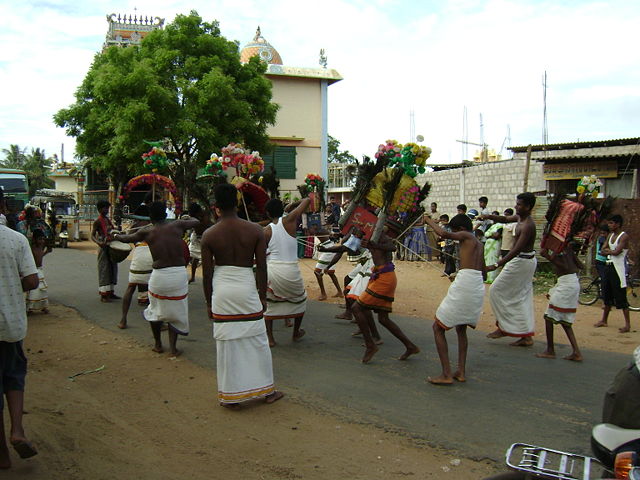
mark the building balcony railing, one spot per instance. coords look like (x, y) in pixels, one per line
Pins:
(340, 176)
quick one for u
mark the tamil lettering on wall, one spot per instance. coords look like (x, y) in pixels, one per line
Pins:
(576, 170)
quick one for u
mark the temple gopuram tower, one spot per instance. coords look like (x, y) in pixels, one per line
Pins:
(124, 31)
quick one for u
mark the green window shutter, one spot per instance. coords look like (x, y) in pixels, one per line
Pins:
(283, 159)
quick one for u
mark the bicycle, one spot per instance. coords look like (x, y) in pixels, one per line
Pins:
(591, 291)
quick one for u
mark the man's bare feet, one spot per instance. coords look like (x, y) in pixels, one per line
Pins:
(273, 397)
(45, 310)
(231, 406)
(459, 377)
(624, 330)
(176, 353)
(342, 305)
(343, 316)
(113, 296)
(369, 353)
(441, 380)
(104, 299)
(299, 335)
(377, 341)
(410, 351)
(497, 333)
(322, 297)
(545, 354)
(338, 295)
(122, 325)
(157, 349)
(272, 342)
(523, 342)
(574, 357)
(600, 324)
(192, 280)
(288, 323)
(356, 333)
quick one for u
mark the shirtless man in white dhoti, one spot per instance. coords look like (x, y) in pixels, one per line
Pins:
(236, 301)
(563, 301)
(286, 295)
(511, 294)
(168, 284)
(462, 307)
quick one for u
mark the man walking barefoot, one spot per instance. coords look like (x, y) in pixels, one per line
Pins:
(511, 294)
(236, 302)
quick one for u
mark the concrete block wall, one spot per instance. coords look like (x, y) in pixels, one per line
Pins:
(499, 181)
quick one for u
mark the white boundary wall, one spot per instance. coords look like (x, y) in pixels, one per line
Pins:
(499, 181)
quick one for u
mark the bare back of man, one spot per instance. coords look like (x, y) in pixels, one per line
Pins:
(166, 244)
(232, 241)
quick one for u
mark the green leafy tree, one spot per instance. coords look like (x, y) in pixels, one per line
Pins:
(184, 84)
(36, 164)
(336, 155)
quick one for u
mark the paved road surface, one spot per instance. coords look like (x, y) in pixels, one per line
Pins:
(510, 396)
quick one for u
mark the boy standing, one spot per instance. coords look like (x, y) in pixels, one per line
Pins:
(462, 306)
(563, 301)
(326, 261)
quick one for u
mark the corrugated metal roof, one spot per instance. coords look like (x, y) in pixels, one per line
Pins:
(586, 144)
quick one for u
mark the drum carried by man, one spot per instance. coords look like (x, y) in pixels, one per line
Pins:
(110, 254)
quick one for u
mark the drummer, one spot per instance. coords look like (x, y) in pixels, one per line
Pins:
(107, 268)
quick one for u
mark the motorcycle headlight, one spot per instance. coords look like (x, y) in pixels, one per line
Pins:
(624, 462)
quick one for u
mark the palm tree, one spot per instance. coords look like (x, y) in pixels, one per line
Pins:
(14, 157)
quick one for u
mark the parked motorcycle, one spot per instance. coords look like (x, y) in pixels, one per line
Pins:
(616, 448)
(63, 236)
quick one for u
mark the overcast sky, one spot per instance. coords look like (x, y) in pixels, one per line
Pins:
(432, 57)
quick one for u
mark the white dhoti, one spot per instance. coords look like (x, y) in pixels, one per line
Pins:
(244, 366)
(141, 265)
(38, 299)
(511, 297)
(168, 291)
(195, 249)
(360, 281)
(563, 300)
(286, 296)
(464, 300)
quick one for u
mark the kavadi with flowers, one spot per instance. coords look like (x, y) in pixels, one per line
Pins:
(388, 188)
(574, 219)
(247, 164)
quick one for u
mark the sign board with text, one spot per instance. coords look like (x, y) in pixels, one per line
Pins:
(363, 219)
(577, 170)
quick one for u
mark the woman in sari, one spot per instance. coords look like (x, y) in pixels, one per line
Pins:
(493, 240)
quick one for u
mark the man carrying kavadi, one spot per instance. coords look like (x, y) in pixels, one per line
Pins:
(244, 366)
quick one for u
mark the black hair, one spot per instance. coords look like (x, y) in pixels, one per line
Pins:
(274, 208)
(142, 210)
(1, 193)
(528, 198)
(462, 207)
(495, 212)
(194, 209)
(434, 203)
(37, 233)
(158, 211)
(604, 228)
(226, 196)
(617, 219)
(508, 211)
(444, 216)
(461, 220)
(102, 204)
(483, 199)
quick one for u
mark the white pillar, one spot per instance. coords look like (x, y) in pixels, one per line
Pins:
(324, 139)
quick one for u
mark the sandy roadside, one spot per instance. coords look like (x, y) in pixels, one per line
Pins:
(151, 416)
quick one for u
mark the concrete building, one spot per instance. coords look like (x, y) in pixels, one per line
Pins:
(300, 133)
(615, 162)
